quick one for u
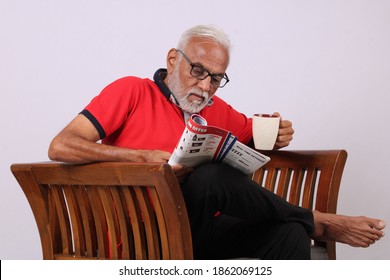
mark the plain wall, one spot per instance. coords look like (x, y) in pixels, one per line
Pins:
(325, 65)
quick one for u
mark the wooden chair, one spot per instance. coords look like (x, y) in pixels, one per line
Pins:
(107, 210)
(136, 211)
(310, 179)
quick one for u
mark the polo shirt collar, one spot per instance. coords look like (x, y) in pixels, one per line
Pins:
(158, 78)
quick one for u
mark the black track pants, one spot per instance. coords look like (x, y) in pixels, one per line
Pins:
(233, 217)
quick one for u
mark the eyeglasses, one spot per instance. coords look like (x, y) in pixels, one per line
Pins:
(217, 80)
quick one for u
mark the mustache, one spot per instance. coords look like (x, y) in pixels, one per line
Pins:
(196, 91)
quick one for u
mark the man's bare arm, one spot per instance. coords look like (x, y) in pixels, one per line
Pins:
(77, 143)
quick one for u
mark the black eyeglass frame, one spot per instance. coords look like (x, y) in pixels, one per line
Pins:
(223, 77)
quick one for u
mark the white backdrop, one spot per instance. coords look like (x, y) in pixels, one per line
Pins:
(325, 65)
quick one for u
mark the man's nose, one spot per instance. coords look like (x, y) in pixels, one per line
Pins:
(205, 84)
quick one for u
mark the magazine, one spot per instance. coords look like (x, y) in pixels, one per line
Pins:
(201, 143)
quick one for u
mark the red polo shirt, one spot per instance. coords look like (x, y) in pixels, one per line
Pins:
(137, 113)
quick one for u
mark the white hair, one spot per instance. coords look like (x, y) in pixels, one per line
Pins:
(211, 32)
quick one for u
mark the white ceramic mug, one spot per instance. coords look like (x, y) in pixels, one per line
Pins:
(265, 129)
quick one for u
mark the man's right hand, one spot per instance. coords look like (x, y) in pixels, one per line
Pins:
(154, 156)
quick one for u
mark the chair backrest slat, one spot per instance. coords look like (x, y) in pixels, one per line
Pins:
(137, 228)
(124, 245)
(61, 217)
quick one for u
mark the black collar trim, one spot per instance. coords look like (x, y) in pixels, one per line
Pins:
(158, 78)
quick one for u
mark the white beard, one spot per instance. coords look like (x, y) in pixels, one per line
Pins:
(191, 107)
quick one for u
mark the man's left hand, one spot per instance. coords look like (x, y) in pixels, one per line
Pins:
(285, 134)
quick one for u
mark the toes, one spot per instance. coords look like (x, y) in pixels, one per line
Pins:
(381, 225)
(378, 224)
(377, 232)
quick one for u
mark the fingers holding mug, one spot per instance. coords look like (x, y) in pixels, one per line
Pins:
(285, 134)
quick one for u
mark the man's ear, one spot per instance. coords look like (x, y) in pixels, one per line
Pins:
(171, 60)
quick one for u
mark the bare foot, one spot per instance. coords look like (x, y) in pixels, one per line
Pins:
(354, 231)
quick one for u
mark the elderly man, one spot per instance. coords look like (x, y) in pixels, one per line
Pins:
(141, 120)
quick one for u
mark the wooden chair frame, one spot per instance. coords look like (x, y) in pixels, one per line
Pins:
(107, 210)
(116, 210)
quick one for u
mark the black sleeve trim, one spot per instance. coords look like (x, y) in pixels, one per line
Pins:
(95, 122)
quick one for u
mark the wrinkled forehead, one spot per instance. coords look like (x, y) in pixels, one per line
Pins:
(208, 53)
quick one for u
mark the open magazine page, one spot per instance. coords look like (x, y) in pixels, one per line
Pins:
(199, 143)
(244, 158)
